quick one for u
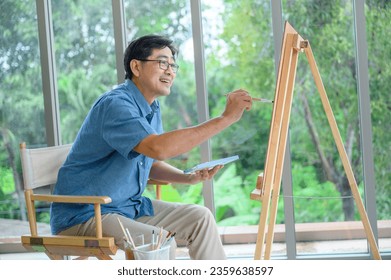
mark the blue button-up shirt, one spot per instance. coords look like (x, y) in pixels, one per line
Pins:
(102, 160)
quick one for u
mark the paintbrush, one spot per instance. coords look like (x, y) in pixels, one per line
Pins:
(257, 99)
(262, 100)
(127, 235)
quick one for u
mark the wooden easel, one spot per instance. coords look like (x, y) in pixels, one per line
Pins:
(269, 181)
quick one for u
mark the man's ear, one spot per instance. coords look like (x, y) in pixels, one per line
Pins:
(134, 67)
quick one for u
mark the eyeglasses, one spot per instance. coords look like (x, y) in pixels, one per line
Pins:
(163, 64)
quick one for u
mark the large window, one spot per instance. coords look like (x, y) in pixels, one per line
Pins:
(320, 187)
(21, 100)
(85, 59)
(378, 15)
(172, 19)
(239, 54)
(237, 50)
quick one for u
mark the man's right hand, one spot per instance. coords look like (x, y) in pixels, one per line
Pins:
(237, 101)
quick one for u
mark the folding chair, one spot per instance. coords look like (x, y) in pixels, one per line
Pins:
(40, 168)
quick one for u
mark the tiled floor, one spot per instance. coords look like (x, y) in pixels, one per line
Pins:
(245, 250)
(233, 252)
(14, 228)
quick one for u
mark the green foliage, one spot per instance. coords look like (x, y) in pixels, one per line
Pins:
(233, 206)
(378, 17)
(7, 184)
(240, 55)
(9, 206)
(246, 61)
(314, 201)
(43, 214)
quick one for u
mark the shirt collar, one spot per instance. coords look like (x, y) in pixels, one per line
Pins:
(140, 99)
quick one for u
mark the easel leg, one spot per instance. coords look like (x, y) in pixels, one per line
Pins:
(281, 152)
(342, 152)
(278, 119)
(262, 223)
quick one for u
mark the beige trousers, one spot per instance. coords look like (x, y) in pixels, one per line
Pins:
(193, 224)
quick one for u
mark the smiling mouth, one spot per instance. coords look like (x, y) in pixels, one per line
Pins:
(166, 81)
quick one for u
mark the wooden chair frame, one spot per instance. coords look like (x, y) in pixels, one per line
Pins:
(40, 168)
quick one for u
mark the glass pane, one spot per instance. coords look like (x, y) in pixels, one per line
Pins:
(85, 58)
(239, 53)
(322, 195)
(173, 20)
(378, 17)
(21, 108)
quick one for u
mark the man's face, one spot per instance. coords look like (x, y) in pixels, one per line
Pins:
(152, 80)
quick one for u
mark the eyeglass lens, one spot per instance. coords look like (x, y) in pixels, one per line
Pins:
(164, 66)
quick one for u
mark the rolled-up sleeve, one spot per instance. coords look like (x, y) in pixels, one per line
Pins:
(124, 127)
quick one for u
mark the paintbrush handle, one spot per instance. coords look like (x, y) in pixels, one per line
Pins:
(261, 100)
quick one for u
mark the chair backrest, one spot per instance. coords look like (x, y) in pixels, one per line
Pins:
(40, 165)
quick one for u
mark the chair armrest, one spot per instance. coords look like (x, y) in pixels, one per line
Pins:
(157, 182)
(72, 198)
